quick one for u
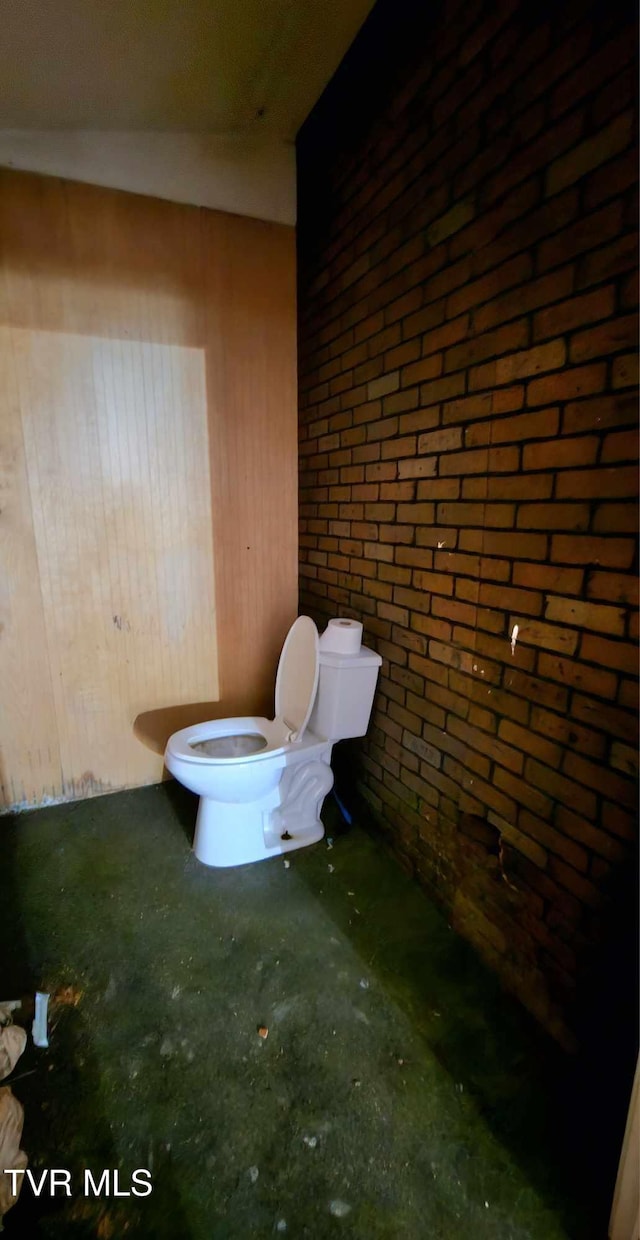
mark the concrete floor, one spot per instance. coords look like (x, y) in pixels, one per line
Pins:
(398, 1094)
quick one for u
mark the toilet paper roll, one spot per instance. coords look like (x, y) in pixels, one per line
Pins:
(342, 636)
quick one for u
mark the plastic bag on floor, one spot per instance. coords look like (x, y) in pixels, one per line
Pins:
(13, 1040)
(12, 1158)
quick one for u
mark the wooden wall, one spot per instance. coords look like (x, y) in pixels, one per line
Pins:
(148, 523)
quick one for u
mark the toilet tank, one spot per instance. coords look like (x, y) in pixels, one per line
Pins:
(346, 685)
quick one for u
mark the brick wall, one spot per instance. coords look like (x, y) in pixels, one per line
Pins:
(468, 443)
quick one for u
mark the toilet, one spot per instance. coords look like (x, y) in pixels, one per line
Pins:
(261, 782)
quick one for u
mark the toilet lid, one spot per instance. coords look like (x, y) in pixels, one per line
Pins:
(297, 678)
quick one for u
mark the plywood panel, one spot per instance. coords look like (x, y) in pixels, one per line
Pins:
(29, 750)
(251, 378)
(116, 442)
(148, 416)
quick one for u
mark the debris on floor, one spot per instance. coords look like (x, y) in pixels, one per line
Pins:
(339, 1208)
(66, 996)
(263, 1032)
(39, 1026)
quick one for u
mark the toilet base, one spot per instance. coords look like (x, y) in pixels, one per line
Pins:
(240, 834)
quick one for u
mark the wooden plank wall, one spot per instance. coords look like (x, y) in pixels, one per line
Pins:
(148, 524)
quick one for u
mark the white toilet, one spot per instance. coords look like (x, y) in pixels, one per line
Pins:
(261, 782)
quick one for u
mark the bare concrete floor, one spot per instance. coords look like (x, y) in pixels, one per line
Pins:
(398, 1093)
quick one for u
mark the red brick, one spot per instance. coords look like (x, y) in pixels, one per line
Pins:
(508, 487)
(514, 272)
(536, 154)
(619, 821)
(452, 609)
(606, 653)
(441, 389)
(602, 619)
(491, 344)
(576, 675)
(602, 341)
(588, 835)
(417, 467)
(379, 512)
(421, 419)
(598, 483)
(448, 334)
(398, 402)
(561, 453)
(439, 488)
(589, 154)
(428, 368)
(402, 355)
(403, 305)
(621, 89)
(609, 260)
(406, 446)
(473, 566)
(522, 792)
(620, 446)
(515, 546)
(625, 371)
(484, 460)
(617, 721)
(530, 296)
(535, 361)
(528, 602)
(435, 583)
(625, 758)
(531, 688)
(484, 515)
(524, 426)
(589, 308)
(554, 841)
(579, 886)
(603, 224)
(591, 774)
(415, 514)
(582, 549)
(606, 61)
(561, 788)
(613, 588)
(569, 733)
(549, 637)
(600, 413)
(440, 441)
(548, 577)
(489, 745)
(553, 516)
(423, 320)
(567, 384)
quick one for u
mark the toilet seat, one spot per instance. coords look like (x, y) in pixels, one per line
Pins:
(295, 694)
(273, 730)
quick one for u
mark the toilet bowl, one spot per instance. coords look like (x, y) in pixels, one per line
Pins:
(261, 782)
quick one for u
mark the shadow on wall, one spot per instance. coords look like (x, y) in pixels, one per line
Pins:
(154, 727)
